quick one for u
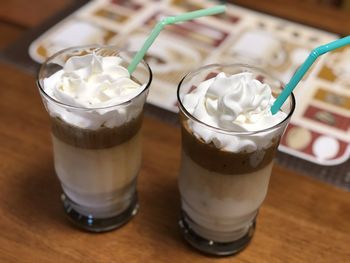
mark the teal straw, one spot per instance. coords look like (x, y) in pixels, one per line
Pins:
(299, 74)
(168, 21)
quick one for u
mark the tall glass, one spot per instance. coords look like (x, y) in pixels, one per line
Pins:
(97, 166)
(221, 191)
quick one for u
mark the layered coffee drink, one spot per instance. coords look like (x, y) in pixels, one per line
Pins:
(96, 114)
(229, 139)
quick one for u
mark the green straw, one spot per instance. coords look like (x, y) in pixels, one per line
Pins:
(168, 21)
(299, 74)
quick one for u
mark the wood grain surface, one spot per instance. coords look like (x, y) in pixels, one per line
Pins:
(310, 13)
(9, 33)
(30, 13)
(302, 220)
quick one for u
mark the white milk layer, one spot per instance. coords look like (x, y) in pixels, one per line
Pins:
(101, 181)
(221, 205)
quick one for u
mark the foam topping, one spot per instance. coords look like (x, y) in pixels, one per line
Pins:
(91, 81)
(235, 103)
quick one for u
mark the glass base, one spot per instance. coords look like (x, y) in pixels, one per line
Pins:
(94, 224)
(212, 247)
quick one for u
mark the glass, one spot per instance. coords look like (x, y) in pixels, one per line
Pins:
(221, 191)
(97, 166)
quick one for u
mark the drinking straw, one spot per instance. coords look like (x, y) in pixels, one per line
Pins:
(168, 21)
(299, 74)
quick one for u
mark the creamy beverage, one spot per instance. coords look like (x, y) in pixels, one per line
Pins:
(229, 138)
(96, 114)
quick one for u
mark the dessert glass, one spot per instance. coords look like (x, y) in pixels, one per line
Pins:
(221, 191)
(97, 168)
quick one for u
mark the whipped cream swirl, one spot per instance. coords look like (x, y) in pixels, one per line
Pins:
(91, 82)
(236, 103)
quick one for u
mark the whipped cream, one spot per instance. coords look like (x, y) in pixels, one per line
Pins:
(236, 103)
(93, 82)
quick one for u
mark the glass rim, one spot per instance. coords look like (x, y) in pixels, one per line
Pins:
(50, 58)
(226, 131)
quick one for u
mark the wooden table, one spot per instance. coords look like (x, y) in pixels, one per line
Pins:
(302, 220)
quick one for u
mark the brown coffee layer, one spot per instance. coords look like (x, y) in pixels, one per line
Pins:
(224, 162)
(95, 139)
